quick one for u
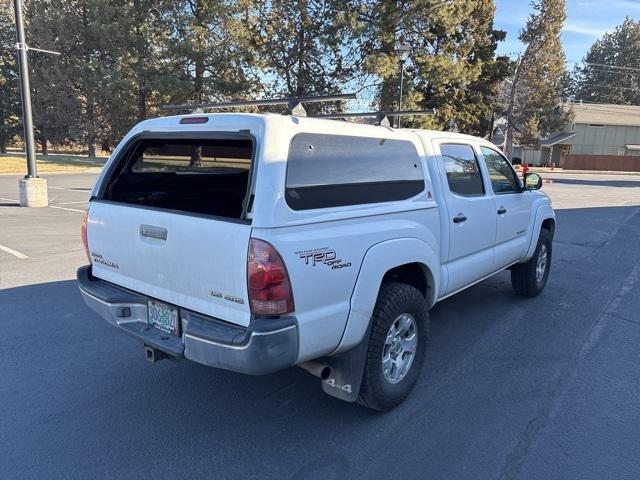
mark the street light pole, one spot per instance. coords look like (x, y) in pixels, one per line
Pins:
(402, 50)
(25, 92)
(33, 189)
(401, 85)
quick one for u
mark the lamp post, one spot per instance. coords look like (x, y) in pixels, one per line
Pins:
(402, 50)
(33, 189)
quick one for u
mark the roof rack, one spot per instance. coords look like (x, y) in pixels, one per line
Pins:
(382, 118)
(294, 104)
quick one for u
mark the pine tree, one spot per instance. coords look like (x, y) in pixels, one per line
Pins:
(302, 47)
(452, 68)
(203, 50)
(607, 74)
(55, 105)
(536, 106)
(10, 111)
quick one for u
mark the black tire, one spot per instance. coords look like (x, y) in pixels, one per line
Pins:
(394, 300)
(524, 279)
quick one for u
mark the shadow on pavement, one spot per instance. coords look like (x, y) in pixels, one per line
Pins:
(598, 183)
(79, 400)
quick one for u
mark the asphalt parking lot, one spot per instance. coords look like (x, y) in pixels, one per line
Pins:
(512, 388)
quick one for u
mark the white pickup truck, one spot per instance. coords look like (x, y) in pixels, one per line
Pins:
(254, 242)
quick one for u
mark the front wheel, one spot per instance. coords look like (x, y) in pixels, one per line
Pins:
(529, 279)
(399, 336)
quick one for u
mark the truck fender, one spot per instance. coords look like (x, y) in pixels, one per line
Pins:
(543, 212)
(348, 360)
(378, 260)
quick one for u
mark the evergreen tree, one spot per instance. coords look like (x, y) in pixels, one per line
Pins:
(55, 105)
(452, 67)
(608, 74)
(10, 111)
(204, 50)
(303, 47)
(536, 106)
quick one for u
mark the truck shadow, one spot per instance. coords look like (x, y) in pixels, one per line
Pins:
(69, 376)
(78, 396)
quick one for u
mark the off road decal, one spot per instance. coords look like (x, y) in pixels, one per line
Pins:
(323, 256)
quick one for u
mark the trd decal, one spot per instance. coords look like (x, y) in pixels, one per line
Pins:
(323, 256)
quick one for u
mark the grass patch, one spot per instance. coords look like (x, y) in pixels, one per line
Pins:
(52, 163)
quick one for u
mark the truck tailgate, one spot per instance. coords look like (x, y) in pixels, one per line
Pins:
(193, 261)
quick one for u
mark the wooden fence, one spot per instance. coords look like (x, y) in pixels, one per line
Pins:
(616, 163)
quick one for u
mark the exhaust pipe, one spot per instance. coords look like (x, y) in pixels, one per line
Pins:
(153, 355)
(316, 369)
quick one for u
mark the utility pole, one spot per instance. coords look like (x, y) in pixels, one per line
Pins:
(33, 189)
(508, 140)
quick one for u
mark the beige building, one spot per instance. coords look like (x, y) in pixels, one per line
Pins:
(597, 129)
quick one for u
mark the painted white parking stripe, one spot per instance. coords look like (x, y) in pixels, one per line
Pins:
(13, 252)
(51, 206)
(68, 189)
(65, 208)
(72, 203)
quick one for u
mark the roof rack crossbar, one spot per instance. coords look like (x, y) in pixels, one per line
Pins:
(294, 103)
(382, 118)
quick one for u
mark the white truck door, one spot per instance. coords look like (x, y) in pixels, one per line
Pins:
(512, 208)
(470, 215)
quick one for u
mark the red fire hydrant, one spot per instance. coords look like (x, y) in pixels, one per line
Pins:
(525, 171)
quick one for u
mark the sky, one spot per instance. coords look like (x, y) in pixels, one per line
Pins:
(587, 20)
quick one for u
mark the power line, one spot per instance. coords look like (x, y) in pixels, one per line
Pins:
(612, 66)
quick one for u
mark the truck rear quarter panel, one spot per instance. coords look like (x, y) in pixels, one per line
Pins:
(325, 260)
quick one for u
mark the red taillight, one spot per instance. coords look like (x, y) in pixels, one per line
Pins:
(268, 280)
(83, 230)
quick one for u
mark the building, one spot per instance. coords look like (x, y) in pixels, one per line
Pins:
(601, 137)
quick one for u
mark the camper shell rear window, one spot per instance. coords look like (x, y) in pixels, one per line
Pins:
(205, 174)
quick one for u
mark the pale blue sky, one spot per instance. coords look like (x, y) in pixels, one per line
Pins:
(586, 21)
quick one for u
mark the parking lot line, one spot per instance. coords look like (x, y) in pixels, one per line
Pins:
(65, 208)
(50, 206)
(13, 252)
(72, 203)
(68, 189)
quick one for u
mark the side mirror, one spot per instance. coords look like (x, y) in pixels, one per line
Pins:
(533, 181)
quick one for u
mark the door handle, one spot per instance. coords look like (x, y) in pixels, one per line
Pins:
(502, 211)
(153, 232)
(459, 219)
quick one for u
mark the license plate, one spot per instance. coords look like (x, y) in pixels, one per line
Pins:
(163, 316)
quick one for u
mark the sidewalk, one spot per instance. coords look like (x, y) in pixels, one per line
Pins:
(577, 172)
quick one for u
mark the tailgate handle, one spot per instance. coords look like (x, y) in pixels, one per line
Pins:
(153, 232)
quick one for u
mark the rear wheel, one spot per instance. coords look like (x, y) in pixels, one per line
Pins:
(399, 336)
(529, 279)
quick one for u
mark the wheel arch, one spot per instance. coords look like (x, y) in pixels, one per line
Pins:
(407, 260)
(545, 217)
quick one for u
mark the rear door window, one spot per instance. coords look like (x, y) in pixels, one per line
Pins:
(462, 169)
(337, 170)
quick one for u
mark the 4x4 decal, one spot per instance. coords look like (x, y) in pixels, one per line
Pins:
(323, 256)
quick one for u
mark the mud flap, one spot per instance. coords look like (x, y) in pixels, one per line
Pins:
(347, 369)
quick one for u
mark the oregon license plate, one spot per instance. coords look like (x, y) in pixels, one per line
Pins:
(163, 316)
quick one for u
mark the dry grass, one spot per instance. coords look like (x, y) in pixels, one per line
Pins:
(53, 163)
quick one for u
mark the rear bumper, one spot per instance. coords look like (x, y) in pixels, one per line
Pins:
(265, 346)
